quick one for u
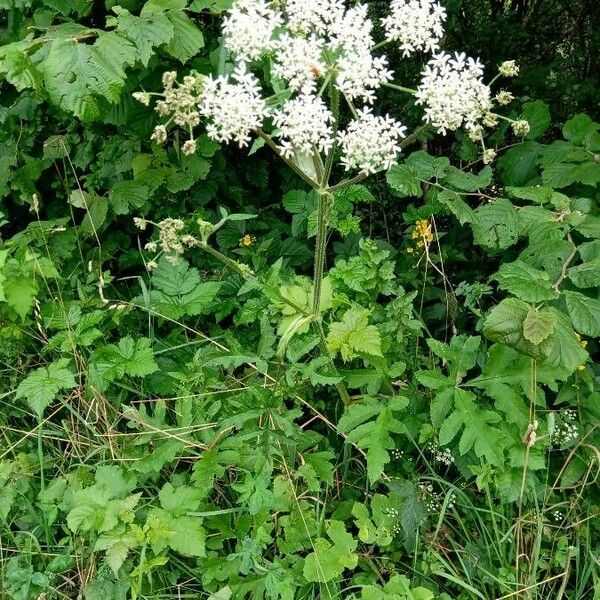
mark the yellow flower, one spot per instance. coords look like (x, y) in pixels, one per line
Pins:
(422, 233)
(581, 368)
(247, 240)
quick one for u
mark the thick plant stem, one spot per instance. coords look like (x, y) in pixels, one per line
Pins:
(321, 243)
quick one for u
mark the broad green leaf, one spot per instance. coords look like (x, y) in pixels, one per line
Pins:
(330, 558)
(17, 67)
(584, 312)
(457, 206)
(505, 324)
(404, 182)
(525, 282)
(566, 351)
(146, 31)
(586, 275)
(41, 386)
(578, 128)
(468, 182)
(179, 290)
(537, 114)
(19, 293)
(538, 325)
(77, 74)
(518, 166)
(187, 39)
(427, 167)
(496, 225)
(96, 211)
(353, 336)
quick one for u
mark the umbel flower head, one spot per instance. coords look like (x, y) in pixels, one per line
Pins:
(453, 93)
(416, 24)
(321, 53)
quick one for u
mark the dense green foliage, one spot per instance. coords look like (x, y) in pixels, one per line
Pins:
(187, 431)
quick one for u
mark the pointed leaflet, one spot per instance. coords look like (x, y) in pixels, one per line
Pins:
(373, 436)
(329, 559)
(352, 336)
(478, 434)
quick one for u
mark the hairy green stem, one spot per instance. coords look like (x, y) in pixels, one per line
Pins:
(320, 250)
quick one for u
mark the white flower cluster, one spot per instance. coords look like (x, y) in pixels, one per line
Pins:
(304, 125)
(299, 61)
(235, 110)
(326, 49)
(416, 24)
(248, 30)
(444, 456)
(566, 431)
(453, 93)
(435, 500)
(371, 143)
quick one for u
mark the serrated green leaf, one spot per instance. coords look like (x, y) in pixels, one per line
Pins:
(584, 312)
(525, 282)
(457, 206)
(496, 225)
(41, 386)
(586, 275)
(330, 558)
(187, 39)
(504, 324)
(146, 31)
(404, 182)
(479, 432)
(468, 182)
(538, 325)
(353, 336)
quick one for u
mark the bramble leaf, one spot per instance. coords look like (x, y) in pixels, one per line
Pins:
(41, 386)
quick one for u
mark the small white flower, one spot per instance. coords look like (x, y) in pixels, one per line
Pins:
(298, 61)
(189, 147)
(521, 128)
(503, 98)
(509, 68)
(489, 155)
(159, 135)
(416, 24)
(248, 28)
(453, 92)
(140, 223)
(304, 124)
(312, 16)
(143, 97)
(361, 74)
(371, 143)
(234, 109)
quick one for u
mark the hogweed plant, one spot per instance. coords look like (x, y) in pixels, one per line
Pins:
(360, 363)
(324, 69)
